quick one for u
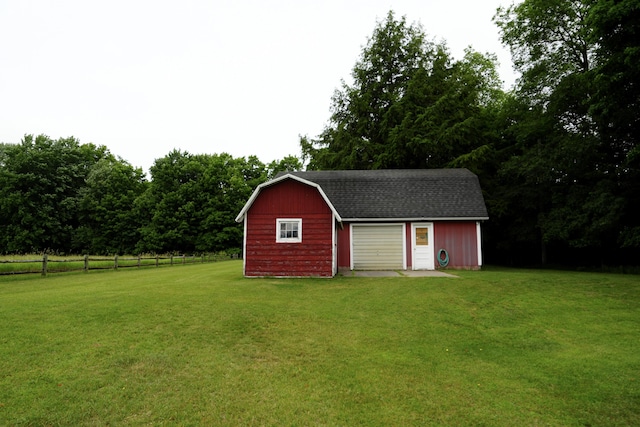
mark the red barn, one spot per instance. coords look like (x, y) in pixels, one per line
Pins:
(313, 223)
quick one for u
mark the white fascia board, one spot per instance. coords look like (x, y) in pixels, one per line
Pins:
(428, 219)
(244, 246)
(259, 188)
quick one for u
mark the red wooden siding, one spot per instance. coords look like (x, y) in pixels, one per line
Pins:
(459, 239)
(311, 257)
(344, 246)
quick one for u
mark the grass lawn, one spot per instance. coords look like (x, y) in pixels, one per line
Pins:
(201, 345)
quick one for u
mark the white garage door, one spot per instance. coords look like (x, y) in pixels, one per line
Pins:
(378, 247)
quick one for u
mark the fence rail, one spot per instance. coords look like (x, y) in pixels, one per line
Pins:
(46, 265)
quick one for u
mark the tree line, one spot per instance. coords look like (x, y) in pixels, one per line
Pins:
(557, 155)
(66, 197)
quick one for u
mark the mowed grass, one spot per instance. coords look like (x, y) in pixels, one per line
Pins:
(201, 345)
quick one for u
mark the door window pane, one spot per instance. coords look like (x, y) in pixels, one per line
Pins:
(422, 236)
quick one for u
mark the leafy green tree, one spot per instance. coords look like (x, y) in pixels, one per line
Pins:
(231, 182)
(40, 181)
(410, 105)
(192, 201)
(288, 164)
(561, 165)
(108, 224)
(169, 203)
(549, 41)
(4, 153)
(615, 103)
(548, 46)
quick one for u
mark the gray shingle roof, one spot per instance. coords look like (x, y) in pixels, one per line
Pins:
(401, 193)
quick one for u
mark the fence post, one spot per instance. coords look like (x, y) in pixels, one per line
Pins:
(138, 261)
(184, 259)
(115, 262)
(44, 264)
(157, 259)
(171, 262)
(86, 263)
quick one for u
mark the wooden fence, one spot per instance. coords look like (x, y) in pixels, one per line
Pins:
(47, 265)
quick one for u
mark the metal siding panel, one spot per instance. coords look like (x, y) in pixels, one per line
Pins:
(479, 243)
(377, 247)
(459, 239)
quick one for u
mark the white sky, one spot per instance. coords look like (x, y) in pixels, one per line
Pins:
(143, 77)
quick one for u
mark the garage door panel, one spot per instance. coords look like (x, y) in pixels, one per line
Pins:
(378, 247)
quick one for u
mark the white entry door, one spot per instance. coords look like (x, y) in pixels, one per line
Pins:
(422, 244)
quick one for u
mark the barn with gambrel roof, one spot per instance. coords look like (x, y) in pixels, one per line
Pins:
(316, 222)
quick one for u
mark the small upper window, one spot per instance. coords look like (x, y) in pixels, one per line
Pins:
(289, 230)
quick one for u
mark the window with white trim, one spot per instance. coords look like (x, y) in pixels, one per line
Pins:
(289, 230)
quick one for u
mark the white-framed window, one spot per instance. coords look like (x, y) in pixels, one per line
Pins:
(289, 230)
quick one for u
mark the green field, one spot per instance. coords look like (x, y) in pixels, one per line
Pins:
(201, 345)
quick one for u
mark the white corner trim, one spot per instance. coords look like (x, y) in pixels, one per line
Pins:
(404, 245)
(334, 246)
(244, 247)
(479, 243)
(351, 247)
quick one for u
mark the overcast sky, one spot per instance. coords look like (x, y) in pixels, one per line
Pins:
(143, 77)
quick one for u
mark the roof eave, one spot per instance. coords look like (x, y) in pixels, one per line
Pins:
(414, 219)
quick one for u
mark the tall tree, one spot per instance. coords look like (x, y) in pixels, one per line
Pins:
(192, 201)
(108, 224)
(549, 41)
(410, 104)
(287, 164)
(40, 181)
(559, 161)
(616, 33)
